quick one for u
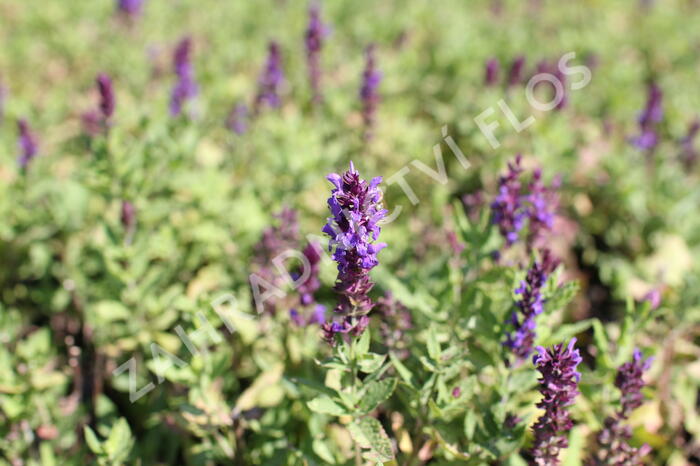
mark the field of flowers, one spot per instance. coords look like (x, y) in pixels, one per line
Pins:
(277, 232)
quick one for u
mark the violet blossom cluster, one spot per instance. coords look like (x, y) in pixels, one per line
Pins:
(649, 119)
(277, 241)
(271, 79)
(315, 33)
(507, 207)
(130, 8)
(516, 71)
(613, 446)
(369, 91)
(186, 86)
(513, 206)
(529, 304)
(98, 120)
(491, 72)
(27, 142)
(237, 120)
(689, 155)
(559, 387)
(395, 322)
(356, 209)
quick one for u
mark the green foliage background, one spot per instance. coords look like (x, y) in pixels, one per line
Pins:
(77, 301)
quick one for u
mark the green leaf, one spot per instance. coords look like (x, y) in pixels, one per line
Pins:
(362, 345)
(370, 435)
(325, 405)
(92, 441)
(403, 371)
(376, 393)
(433, 344)
(371, 362)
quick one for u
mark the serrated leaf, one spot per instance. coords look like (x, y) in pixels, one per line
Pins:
(370, 435)
(325, 405)
(376, 393)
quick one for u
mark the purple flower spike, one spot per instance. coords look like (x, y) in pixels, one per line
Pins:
(507, 206)
(689, 155)
(130, 8)
(541, 204)
(559, 388)
(613, 446)
(629, 381)
(312, 253)
(649, 119)
(315, 33)
(28, 146)
(356, 208)
(270, 80)
(369, 92)
(515, 73)
(237, 120)
(530, 304)
(185, 87)
(107, 102)
(492, 72)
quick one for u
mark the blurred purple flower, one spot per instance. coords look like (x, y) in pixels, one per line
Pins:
(689, 155)
(276, 239)
(106, 90)
(237, 120)
(315, 33)
(394, 323)
(270, 79)
(541, 204)
(28, 146)
(492, 72)
(130, 8)
(515, 73)
(128, 215)
(356, 209)
(649, 118)
(185, 87)
(529, 303)
(559, 387)
(312, 253)
(507, 207)
(369, 92)
(653, 297)
(613, 439)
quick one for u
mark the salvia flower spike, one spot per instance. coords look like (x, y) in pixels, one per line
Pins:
(515, 73)
(28, 146)
(185, 87)
(613, 446)
(529, 304)
(271, 79)
(130, 8)
(492, 71)
(559, 388)
(507, 206)
(649, 120)
(315, 33)
(369, 92)
(353, 227)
